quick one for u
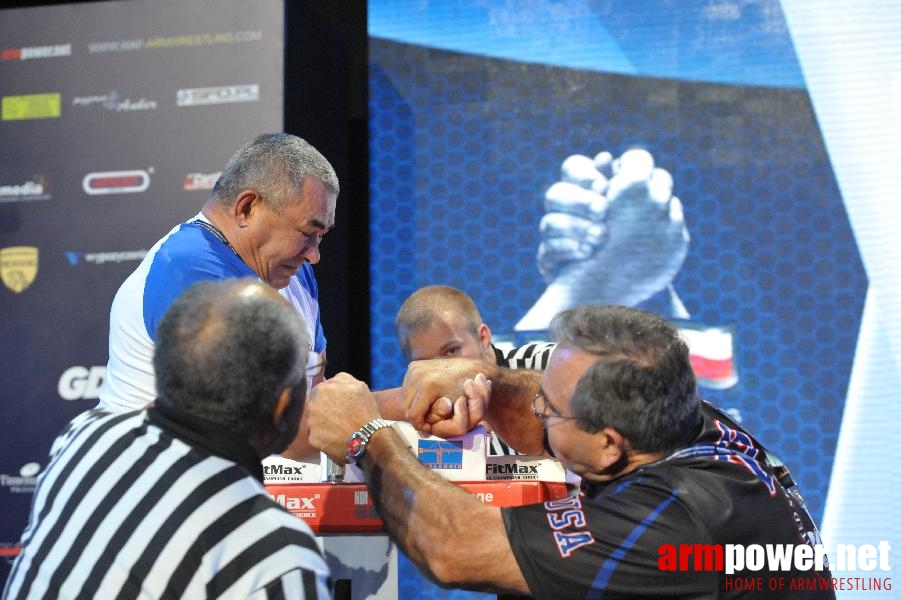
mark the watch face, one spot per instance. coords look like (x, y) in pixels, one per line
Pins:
(355, 446)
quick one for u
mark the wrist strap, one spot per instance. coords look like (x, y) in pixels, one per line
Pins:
(372, 426)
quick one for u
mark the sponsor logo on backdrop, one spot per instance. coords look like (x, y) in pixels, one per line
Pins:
(31, 106)
(116, 182)
(81, 383)
(32, 52)
(177, 41)
(201, 181)
(114, 103)
(116, 46)
(38, 188)
(24, 482)
(224, 94)
(18, 267)
(101, 258)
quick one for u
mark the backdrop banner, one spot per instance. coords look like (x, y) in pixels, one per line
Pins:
(117, 118)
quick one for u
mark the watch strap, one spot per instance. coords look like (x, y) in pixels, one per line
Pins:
(372, 426)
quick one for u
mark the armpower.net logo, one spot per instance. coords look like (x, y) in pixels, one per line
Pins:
(742, 563)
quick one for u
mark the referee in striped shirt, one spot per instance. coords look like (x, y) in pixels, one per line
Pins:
(440, 321)
(168, 502)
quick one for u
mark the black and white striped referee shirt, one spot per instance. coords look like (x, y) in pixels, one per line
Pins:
(130, 508)
(534, 357)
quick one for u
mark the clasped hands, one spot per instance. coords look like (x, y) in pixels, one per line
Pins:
(443, 397)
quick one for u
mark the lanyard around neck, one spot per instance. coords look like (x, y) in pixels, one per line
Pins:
(215, 231)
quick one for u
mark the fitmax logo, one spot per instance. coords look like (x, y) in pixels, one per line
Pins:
(513, 469)
(295, 504)
(282, 470)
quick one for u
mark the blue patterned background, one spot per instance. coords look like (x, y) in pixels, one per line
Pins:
(463, 147)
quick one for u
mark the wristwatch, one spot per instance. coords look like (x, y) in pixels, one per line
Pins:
(356, 443)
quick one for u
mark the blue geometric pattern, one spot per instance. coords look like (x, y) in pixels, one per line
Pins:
(463, 149)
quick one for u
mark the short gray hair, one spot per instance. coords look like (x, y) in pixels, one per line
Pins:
(274, 164)
(642, 384)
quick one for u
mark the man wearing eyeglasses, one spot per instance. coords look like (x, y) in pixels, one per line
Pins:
(660, 469)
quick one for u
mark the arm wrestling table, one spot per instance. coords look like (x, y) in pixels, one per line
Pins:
(364, 561)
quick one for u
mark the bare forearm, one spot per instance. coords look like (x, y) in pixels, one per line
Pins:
(432, 519)
(300, 447)
(509, 411)
(391, 403)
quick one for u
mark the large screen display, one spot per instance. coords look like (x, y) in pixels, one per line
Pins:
(730, 165)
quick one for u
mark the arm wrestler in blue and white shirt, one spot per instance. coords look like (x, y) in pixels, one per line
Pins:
(268, 212)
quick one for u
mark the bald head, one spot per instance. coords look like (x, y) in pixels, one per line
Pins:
(225, 350)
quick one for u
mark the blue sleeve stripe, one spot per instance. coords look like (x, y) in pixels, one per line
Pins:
(189, 255)
(308, 280)
(603, 577)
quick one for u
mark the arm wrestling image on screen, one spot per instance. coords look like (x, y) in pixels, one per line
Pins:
(613, 233)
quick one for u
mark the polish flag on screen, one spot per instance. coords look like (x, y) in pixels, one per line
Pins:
(712, 356)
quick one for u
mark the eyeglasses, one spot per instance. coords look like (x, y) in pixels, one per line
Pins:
(542, 409)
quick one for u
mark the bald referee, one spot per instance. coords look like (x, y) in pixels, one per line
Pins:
(168, 502)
